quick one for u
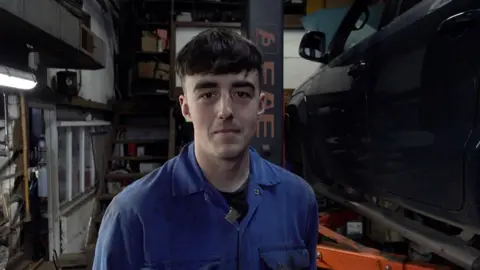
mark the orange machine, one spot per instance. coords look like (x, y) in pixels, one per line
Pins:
(345, 254)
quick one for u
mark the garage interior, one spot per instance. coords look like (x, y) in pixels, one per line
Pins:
(101, 107)
(104, 109)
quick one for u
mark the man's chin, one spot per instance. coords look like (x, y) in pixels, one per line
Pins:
(229, 151)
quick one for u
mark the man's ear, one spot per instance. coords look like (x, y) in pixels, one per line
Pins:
(262, 102)
(184, 107)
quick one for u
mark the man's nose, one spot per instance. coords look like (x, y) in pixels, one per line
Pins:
(225, 107)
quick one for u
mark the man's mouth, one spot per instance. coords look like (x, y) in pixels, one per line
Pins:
(227, 131)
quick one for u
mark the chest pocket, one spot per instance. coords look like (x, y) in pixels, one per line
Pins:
(285, 259)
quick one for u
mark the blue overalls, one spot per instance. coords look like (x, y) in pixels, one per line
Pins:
(174, 219)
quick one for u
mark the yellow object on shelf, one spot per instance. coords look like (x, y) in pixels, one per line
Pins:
(314, 5)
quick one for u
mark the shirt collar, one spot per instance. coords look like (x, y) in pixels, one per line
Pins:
(188, 178)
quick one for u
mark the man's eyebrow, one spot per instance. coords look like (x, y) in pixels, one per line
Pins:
(205, 85)
(240, 84)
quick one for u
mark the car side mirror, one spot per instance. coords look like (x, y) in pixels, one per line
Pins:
(312, 47)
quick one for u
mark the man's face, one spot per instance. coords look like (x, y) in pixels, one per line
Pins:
(224, 110)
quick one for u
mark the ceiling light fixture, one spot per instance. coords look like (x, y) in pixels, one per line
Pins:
(17, 79)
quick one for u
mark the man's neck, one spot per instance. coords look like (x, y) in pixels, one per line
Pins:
(224, 175)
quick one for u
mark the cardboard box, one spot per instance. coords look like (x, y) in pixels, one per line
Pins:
(149, 42)
(154, 70)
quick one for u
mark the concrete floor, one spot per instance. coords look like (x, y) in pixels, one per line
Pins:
(24, 265)
(46, 266)
(68, 261)
(41, 266)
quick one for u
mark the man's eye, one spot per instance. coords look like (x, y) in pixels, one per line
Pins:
(207, 95)
(241, 94)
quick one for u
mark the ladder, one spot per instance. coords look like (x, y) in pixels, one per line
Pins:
(139, 123)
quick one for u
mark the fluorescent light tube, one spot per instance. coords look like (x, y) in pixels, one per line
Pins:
(17, 79)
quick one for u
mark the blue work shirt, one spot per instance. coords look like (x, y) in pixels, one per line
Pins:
(174, 219)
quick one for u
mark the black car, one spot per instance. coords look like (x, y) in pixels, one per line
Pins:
(395, 115)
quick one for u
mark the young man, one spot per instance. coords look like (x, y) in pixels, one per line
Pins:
(218, 204)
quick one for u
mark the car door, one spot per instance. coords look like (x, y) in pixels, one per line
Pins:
(336, 137)
(422, 102)
(336, 110)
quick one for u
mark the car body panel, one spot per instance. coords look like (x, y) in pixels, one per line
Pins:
(405, 127)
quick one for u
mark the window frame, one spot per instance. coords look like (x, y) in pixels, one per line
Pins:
(337, 44)
(340, 38)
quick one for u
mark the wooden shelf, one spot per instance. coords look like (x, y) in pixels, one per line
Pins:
(140, 141)
(138, 126)
(124, 176)
(140, 158)
(162, 25)
(225, 25)
(208, 24)
(157, 93)
(150, 85)
(159, 56)
(186, 5)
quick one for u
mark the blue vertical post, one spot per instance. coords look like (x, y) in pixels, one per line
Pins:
(264, 26)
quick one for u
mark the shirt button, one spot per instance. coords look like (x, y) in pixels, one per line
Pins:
(257, 191)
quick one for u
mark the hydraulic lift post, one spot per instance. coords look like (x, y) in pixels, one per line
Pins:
(264, 26)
